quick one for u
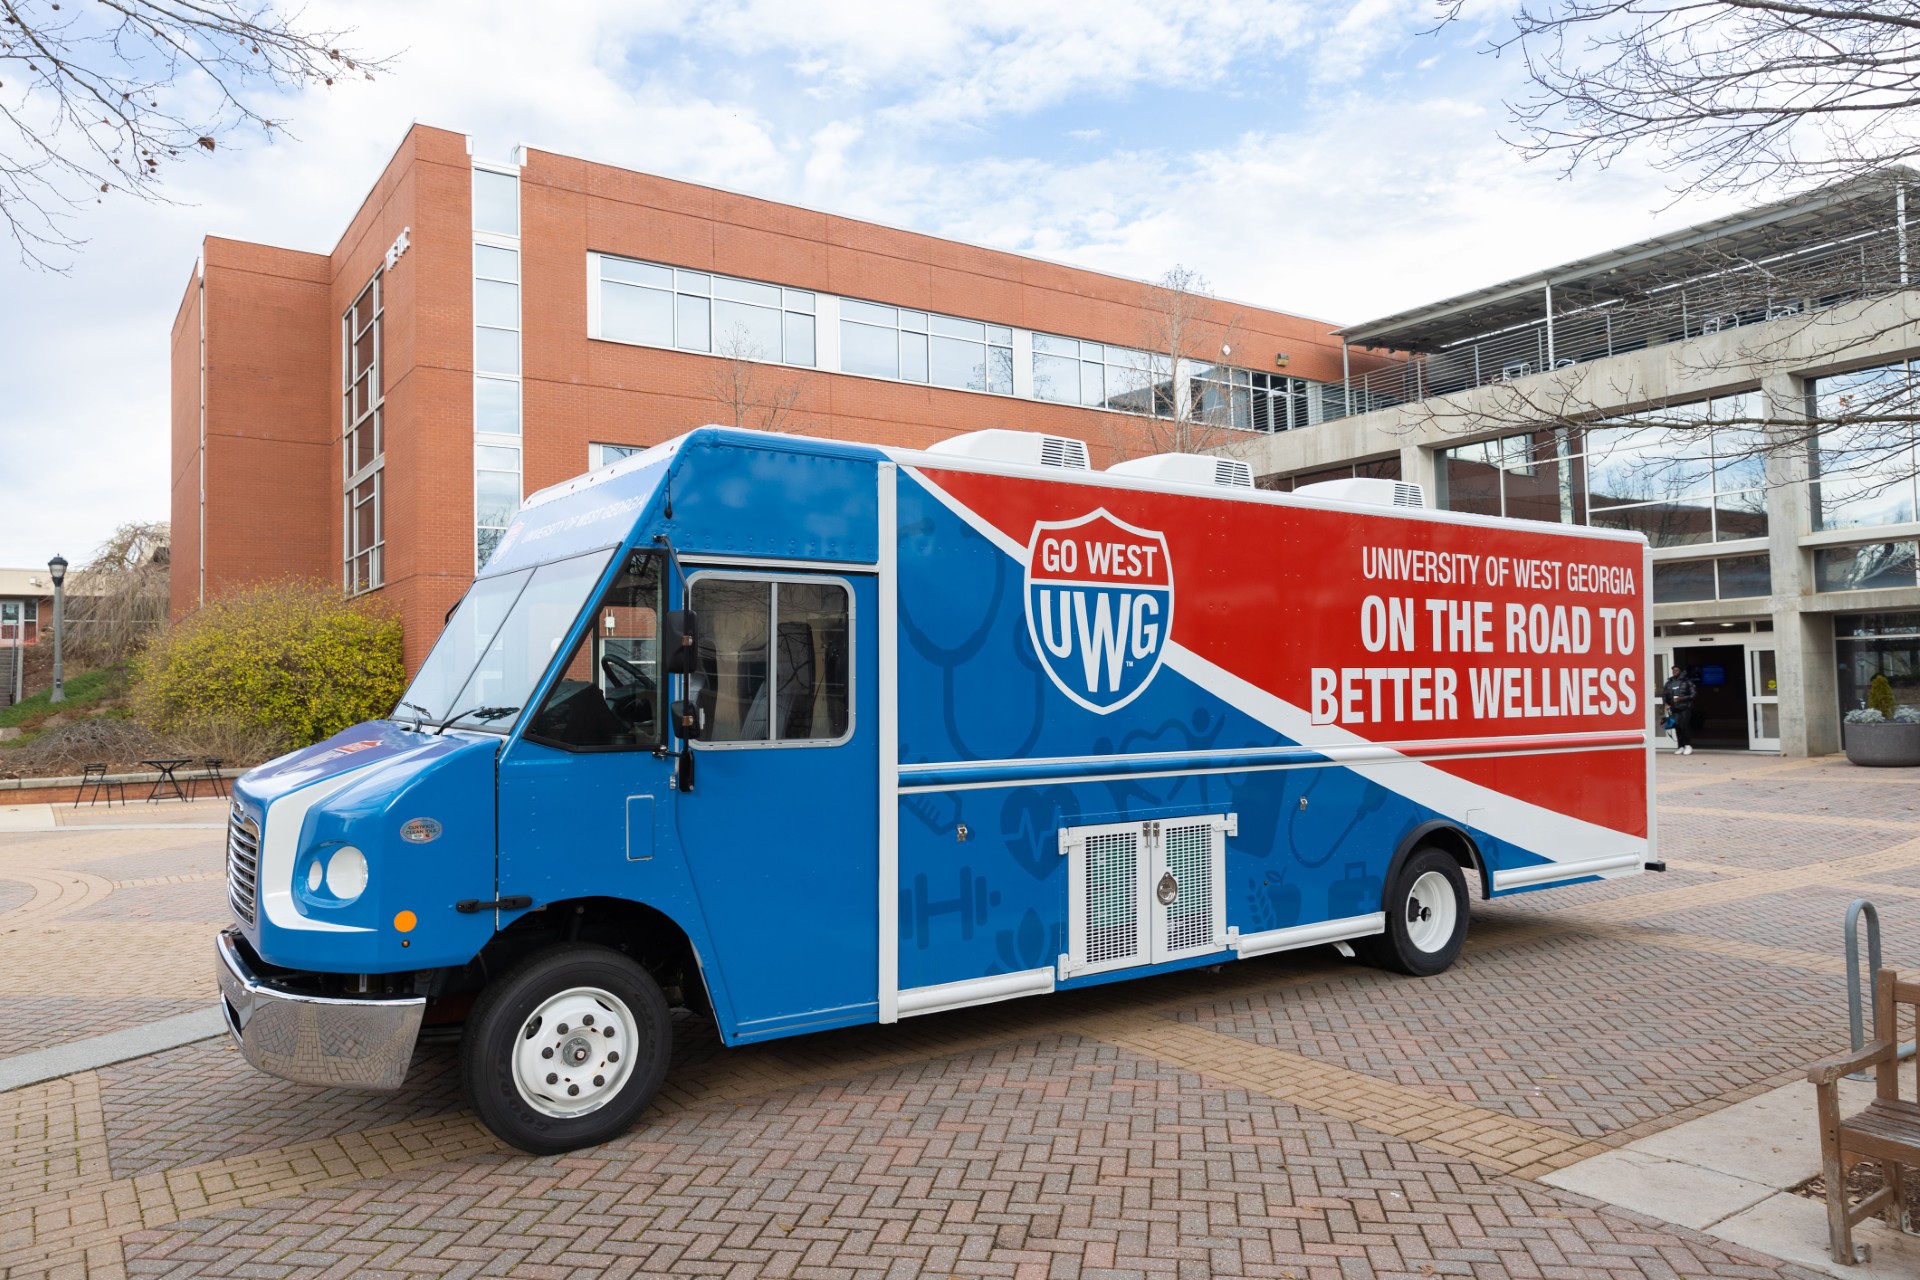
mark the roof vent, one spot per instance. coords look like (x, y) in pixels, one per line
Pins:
(1189, 468)
(1367, 490)
(1022, 448)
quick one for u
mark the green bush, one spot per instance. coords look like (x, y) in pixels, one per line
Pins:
(1880, 696)
(293, 659)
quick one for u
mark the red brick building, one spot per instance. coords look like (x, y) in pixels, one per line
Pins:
(373, 413)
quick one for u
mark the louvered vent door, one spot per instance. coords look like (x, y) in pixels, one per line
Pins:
(1192, 860)
(1105, 880)
(1144, 892)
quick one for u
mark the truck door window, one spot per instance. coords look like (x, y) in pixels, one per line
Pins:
(607, 697)
(774, 660)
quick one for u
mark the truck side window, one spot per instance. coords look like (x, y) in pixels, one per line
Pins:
(774, 660)
(608, 696)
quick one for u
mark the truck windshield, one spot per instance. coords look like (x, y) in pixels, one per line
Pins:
(501, 640)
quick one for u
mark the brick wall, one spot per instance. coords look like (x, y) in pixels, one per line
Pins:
(274, 357)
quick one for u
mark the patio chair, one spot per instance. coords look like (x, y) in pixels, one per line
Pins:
(93, 777)
(210, 775)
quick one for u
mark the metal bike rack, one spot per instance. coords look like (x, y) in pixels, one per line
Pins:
(1856, 996)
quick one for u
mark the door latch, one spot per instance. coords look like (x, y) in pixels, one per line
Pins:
(517, 902)
(1168, 890)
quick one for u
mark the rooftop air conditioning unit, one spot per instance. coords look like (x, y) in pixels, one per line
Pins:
(1022, 448)
(1188, 468)
(1363, 489)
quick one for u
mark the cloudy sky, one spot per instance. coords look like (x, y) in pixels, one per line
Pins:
(1332, 158)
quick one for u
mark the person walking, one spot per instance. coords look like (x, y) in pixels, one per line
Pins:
(1678, 693)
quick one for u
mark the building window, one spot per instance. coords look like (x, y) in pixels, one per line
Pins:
(917, 346)
(496, 202)
(363, 445)
(1863, 568)
(1679, 485)
(1250, 401)
(1102, 376)
(497, 384)
(1878, 644)
(1728, 578)
(1863, 458)
(657, 306)
(600, 455)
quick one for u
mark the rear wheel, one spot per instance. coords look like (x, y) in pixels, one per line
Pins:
(1426, 908)
(566, 1049)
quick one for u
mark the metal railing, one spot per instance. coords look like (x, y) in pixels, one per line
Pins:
(1704, 293)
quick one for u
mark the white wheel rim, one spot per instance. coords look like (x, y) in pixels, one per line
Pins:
(1431, 911)
(575, 1052)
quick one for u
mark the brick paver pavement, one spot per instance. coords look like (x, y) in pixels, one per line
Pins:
(1295, 1115)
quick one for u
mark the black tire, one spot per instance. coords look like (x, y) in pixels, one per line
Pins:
(1409, 945)
(503, 1025)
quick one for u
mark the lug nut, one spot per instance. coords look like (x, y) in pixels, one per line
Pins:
(546, 1053)
(608, 1033)
(552, 1078)
(587, 1021)
(598, 1081)
(562, 1028)
(613, 1057)
(573, 1091)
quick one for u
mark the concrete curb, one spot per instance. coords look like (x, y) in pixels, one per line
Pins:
(42, 1065)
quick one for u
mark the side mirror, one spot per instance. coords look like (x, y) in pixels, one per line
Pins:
(686, 719)
(680, 642)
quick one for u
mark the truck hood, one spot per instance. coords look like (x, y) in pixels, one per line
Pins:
(364, 745)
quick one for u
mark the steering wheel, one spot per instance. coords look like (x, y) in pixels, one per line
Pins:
(622, 673)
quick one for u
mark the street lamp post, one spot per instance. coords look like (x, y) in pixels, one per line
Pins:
(57, 568)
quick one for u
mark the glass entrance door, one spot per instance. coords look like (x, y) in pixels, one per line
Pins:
(1763, 700)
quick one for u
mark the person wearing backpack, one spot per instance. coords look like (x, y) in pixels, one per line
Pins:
(1678, 694)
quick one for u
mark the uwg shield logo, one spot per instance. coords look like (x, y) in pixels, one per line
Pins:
(1099, 607)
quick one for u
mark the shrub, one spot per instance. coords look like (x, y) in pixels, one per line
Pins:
(1880, 696)
(294, 661)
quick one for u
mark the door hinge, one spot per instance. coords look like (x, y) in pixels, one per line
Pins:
(516, 902)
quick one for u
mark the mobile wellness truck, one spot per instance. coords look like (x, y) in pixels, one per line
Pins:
(802, 734)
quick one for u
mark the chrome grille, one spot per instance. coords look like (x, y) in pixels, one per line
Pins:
(243, 863)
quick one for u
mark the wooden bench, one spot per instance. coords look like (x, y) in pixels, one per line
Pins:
(1888, 1131)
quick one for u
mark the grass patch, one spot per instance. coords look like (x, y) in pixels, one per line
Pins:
(89, 693)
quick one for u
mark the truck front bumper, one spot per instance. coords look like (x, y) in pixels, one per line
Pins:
(355, 1043)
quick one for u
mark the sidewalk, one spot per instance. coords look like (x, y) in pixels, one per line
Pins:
(1296, 1115)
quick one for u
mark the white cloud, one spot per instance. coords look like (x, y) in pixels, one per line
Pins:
(1369, 195)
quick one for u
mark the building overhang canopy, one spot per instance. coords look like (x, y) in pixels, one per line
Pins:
(1812, 220)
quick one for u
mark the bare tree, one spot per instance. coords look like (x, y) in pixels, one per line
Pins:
(119, 597)
(98, 97)
(1177, 393)
(1727, 94)
(754, 393)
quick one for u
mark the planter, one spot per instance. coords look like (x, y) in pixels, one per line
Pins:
(1887, 745)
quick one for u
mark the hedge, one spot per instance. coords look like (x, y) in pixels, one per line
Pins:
(293, 658)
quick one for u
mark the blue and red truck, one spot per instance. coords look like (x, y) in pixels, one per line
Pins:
(799, 734)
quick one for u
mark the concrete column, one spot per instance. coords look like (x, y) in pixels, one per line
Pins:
(1416, 467)
(1809, 719)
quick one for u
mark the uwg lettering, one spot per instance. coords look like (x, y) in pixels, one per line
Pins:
(1099, 607)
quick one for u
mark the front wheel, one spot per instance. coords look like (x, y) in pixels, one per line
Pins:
(566, 1049)
(1426, 907)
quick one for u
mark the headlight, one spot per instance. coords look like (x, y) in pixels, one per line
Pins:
(347, 873)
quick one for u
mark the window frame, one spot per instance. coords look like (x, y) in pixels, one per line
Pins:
(775, 578)
(793, 302)
(371, 418)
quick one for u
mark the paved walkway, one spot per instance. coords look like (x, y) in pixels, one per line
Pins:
(1293, 1116)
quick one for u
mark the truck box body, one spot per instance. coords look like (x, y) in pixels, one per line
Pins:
(975, 730)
